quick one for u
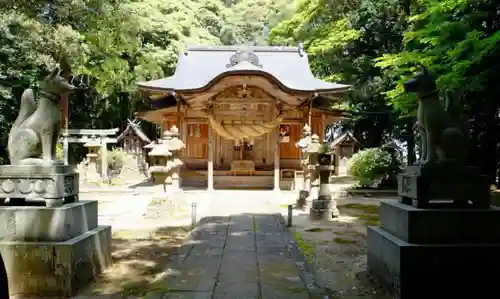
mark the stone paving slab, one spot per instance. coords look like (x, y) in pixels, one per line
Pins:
(188, 295)
(238, 257)
(239, 249)
(194, 279)
(244, 290)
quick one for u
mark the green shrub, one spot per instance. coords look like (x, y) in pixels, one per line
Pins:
(115, 159)
(371, 166)
(59, 152)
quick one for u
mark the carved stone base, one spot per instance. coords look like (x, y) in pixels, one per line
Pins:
(301, 202)
(463, 185)
(323, 209)
(56, 269)
(52, 185)
(53, 252)
(435, 253)
(43, 224)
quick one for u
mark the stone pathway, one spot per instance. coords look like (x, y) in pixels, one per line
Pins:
(240, 248)
(237, 257)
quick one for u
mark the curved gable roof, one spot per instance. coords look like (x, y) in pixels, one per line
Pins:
(199, 67)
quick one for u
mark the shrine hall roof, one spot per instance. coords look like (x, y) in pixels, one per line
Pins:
(134, 127)
(199, 67)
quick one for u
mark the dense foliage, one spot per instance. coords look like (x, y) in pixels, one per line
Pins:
(113, 45)
(376, 45)
(372, 44)
(370, 167)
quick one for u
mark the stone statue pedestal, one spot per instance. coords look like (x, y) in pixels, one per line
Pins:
(50, 185)
(324, 207)
(53, 251)
(463, 185)
(438, 252)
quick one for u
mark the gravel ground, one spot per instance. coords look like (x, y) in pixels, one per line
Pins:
(337, 249)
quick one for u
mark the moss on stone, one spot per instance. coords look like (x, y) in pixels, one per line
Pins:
(305, 248)
(255, 225)
(296, 290)
(317, 230)
(369, 213)
(370, 219)
(365, 208)
(339, 240)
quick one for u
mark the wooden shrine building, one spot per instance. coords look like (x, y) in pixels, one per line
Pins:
(345, 146)
(133, 140)
(240, 111)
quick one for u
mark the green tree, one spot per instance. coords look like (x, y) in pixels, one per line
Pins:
(460, 42)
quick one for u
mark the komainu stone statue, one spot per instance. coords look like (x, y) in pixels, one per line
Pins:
(442, 135)
(444, 226)
(33, 136)
(34, 175)
(441, 174)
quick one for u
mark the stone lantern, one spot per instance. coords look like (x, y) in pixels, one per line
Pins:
(158, 156)
(311, 159)
(93, 147)
(149, 159)
(166, 165)
(318, 167)
(324, 207)
(303, 144)
(174, 164)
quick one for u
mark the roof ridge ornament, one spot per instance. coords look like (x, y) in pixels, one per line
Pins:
(243, 55)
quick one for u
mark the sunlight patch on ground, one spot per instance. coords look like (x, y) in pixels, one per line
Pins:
(139, 260)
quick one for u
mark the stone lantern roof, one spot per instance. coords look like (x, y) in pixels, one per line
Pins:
(93, 143)
(315, 146)
(160, 149)
(172, 139)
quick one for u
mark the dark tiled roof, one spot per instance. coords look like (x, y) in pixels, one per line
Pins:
(136, 130)
(197, 67)
(341, 138)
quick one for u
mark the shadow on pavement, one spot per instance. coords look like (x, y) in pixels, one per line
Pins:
(238, 256)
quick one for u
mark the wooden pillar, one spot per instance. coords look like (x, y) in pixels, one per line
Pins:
(178, 114)
(322, 134)
(210, 170)
(104, 159)
(277, 162)
(309, 115)
(184, 137)
(65, 146)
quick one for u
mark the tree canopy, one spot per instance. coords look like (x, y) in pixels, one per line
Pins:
(374, 45)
